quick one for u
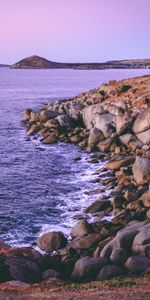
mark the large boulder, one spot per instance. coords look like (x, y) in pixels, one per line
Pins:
(109, 271)
(48, 114)
(74, 111)
(85, 242)
(88, 114)
(52, 241)
(34, 116)
(95, 136)
(64, 121)
(141, 242)
(137, 264)
(88, 267)
(105, 123)
(119, 161)
(142, 122)
(141, 170)
(123, 122)
(81, 229)
(97, 206)
(118, 256)
(22, 269)
(123, 240)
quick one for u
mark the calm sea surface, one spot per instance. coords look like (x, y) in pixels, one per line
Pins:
(41, 187)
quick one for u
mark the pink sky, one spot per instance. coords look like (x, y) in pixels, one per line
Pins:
(74, 30)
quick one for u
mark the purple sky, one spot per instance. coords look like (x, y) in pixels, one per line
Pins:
(74, 30)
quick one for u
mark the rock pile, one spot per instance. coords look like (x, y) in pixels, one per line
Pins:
(114, 119)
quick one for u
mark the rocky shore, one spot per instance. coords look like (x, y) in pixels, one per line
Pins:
(113, 121)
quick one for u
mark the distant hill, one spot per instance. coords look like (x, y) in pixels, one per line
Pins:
(37, 62)
(4, 66)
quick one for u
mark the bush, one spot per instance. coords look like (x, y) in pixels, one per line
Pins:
(102, 93)
(125, 88)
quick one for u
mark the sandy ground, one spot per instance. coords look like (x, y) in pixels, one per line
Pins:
(124, 289)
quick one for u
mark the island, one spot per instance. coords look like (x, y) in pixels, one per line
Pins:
(37, 62)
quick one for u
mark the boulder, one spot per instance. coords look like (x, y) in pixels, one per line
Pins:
(50, 138)
(95, 136)
(137, 264)
(27, 114)
(144, 137)
(104, 146)
(119, 161)
(85, 242)
(27, 253)
(105, 122)
(118, 256)
(109, 271)
(33, 129)
(52, 123)
(126, 138)
(48, 114)
(52, 241)
(75, 112)
(141, 242)
(81, 229)
(142, 122)
(34, 116)
(64, 121)
(141, 170)
(22, 269)
(123, 122)
(123, 239)
(88, 267)
(88, 114)
(98, 205)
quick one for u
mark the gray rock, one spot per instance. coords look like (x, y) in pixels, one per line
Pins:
(142, 122)
(109, 271)
(118, 256)
(64, 121)
(141, 170)
(88, 267)
(48, 114)
(123, 239)
(81, 229)
(141, 242)
(95, 136)
(137, 264)
(88, 115)
(123, 122)
(52, 241)
(105, 123)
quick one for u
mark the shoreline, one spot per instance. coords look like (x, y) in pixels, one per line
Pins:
(113, 119)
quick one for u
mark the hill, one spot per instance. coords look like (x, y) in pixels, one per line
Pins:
(37, 62)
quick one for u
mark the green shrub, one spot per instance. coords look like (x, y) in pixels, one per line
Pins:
(125, 88)
(102, 93)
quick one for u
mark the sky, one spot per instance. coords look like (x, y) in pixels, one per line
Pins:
(74, 30)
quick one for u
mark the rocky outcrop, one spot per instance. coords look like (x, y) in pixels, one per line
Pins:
(113, 119)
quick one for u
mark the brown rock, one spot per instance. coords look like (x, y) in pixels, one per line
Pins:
(118, 161)
(52, 241)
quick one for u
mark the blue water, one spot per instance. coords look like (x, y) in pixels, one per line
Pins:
(41, 187)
